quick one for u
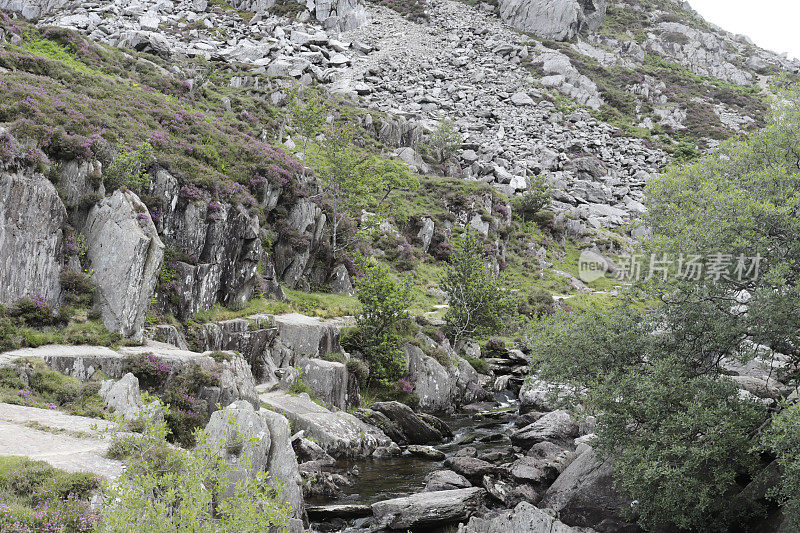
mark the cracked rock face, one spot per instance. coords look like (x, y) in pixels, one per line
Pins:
(125, 254)
(31, 240)
(560, 20)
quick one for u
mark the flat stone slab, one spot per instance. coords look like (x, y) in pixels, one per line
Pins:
(338, 433)
(60, 450)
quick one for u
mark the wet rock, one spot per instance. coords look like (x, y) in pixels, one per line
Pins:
(31, 239)
(324, 513)
(426, 452)
(125, 253)
(340, 434)
(445, 480)
(471, 467)
(428, 508)
(412, 427)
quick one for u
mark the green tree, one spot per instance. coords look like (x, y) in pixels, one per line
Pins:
(307, 118)
(165, 489)
(679, 437)
(475, 295)
(783, 439)
(343, 176)
(443, 142)
(536, 198)
(384, 307)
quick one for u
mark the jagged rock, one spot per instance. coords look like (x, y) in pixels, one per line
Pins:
(125, 254)
(583, 495)
(123, 398)
(31, 239)
(445, 480)
(471, 467)
(33, 9)
(428, 508)
(329, 382)
(340, 280)
(282, 462)
(412, 427)
(560, 20)
(557, 425)
(524, 517)
(340, 434)
(343, 15)
(169, 334)
(80, 185)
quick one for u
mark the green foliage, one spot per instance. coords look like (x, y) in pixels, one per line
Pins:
(783, 439)
(536, 302)
(384, 307)
(164, 490)
(48, 389)
(38, 497)
(443, 142)
(679, 437)
(128, 168)
(307, 118)
(475, 294)
(536, 198)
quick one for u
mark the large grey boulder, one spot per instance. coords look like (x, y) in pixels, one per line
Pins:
(341, 15)
(122, 396)
(583, 495)
(250, 442)
(445, 480)
(524, 517)
(31, 240)
(441, 388)
(555, 426)
(413, 428)
(125, 254)
(428, 508)
(32, 9)
(329, 382)
(340, 434)
(560, 20)
(306, 335)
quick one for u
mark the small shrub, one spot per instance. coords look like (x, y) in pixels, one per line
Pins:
(360, 369)
(128, 168)
(534, 200)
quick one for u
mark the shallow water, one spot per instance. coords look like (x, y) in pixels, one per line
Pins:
(401, 476)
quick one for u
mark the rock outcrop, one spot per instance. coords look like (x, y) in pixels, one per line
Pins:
(33, 9)
(125, 253)
(31, 237)
(559, 20)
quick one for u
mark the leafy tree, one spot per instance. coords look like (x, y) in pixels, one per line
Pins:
(783, 439)
(165, 489)
(475, 294)
(443, 142)
(679, 437)
(536, 198)
(343, 178)
(384, 306)
(308, 118)
(128, 168)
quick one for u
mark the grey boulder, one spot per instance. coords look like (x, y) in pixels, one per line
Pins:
(125, 253)
(428, 508)
(524, 517)
(560, 20)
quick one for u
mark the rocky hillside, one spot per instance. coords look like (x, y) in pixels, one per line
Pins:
(163, 227)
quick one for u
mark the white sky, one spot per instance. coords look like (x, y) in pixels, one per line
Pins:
(771, 24)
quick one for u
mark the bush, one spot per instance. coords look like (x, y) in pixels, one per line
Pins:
(384, 304)
(536, 303)
(34, 312)
(475, 295)
(536, 198)
(193, 490)
(783, 439)
(128, 168)
(78, 288)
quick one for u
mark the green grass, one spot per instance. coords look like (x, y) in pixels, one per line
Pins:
(49, 389)
(319, 304)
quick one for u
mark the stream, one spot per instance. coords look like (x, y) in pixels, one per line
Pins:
(383, 479)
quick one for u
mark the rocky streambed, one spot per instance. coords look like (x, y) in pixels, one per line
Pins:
(476, 472)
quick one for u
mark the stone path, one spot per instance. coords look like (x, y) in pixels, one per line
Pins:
(71, 443)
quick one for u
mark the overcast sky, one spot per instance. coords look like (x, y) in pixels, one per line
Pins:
(771, 24)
